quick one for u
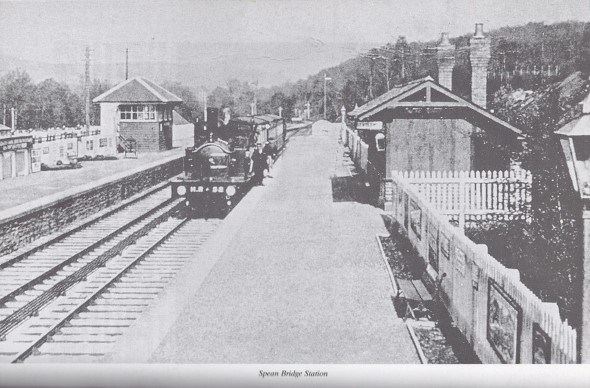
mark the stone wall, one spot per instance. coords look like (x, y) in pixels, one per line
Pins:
(51, 217)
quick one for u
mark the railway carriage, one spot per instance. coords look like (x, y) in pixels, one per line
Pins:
(216, 172)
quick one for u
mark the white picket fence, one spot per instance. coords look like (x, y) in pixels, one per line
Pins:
(527, 330)
(474, 194)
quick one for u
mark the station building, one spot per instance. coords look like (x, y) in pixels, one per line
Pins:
(140, 110)
(423, 126)
(15, 153)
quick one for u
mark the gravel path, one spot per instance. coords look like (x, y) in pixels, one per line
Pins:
(301, 282)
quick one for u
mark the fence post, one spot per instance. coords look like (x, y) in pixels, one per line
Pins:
(462, 203)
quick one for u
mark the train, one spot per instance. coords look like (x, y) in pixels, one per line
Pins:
(217, 168)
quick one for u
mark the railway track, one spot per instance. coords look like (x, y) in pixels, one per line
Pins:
(108, 268)
(30, 274)
(83, 324)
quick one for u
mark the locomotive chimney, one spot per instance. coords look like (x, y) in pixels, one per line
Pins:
(445, 54)
(480, 57)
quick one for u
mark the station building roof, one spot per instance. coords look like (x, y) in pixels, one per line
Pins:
(426, 93)
(577, 127)
(138, 90)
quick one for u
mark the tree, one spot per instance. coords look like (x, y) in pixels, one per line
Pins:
(190, 108)
(97, 87)
(56, 105)
(17, 91)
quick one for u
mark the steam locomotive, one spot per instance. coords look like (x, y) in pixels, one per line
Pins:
(216, 169)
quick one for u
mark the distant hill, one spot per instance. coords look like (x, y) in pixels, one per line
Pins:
(203, 64)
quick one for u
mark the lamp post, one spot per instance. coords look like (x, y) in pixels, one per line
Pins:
(575, 144)
(326, 79)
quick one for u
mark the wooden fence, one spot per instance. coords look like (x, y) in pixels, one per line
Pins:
(501, 318)
(359, 150)
(474, 195)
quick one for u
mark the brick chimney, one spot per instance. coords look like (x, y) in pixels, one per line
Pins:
(480, 55)
(445, 54)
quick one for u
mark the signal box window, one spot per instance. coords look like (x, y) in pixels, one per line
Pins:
(102, 142)
(137, 112)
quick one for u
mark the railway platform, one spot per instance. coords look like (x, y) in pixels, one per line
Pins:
(35, 187)
(293, 275)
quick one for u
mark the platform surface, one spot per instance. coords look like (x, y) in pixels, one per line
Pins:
(20, 190)
(300, 281)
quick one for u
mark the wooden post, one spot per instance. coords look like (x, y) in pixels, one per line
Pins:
(584, 338)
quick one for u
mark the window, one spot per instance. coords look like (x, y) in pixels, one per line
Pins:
(45, 150)
(89, 145)
(110, 141)
(70, 146)
(380, 142)
(61, 151)
(102, 142)
(137, 112)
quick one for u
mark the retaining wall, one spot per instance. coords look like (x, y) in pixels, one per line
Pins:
(25, 223)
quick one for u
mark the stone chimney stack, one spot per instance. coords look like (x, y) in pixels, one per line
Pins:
(445, 54)
(480, 57)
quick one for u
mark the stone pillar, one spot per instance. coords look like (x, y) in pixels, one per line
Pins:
(28, 161)
(343, 113)
(13, 161)
(280, 111)
(445, 55)
(480, 57)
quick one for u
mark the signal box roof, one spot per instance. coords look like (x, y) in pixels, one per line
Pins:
(138, 90)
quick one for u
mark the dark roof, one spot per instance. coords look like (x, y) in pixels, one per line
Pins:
(400, 95)
(138, 90)
(178, 119)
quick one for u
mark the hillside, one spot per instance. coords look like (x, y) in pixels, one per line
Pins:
(197, 64)
(564, 46)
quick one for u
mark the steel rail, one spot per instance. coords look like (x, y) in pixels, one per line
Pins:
(32, 308)
(50, 272)
(72, 314)
(95, 219)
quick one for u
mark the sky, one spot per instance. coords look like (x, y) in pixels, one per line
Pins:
(57, 31)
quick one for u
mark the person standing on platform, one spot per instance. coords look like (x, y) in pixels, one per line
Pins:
(271, 153)
(258, 164)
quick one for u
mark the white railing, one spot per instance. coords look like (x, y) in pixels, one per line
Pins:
(359, 150)
(502, 319)
(474, 194)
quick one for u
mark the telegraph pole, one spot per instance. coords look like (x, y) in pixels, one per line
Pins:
(126, 64)
(326, 79)
(87, 86)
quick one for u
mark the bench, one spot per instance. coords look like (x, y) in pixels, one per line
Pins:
(416, 297)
